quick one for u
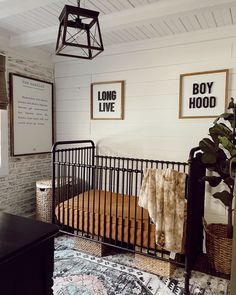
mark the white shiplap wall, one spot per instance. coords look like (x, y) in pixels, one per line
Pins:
(151, 128)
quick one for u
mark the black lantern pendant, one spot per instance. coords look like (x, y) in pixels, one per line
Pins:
(79, 33)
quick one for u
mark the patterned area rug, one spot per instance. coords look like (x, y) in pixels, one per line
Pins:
(77, 273)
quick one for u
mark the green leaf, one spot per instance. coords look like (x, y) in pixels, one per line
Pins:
(225, 197)
(227, 144)
(231, 104)
(233, 124)
(212, 180)
(220, 129)
(207, 145)
(229, 181)
(221, 156)
(208, 158)
(225, 116)
(223, 168)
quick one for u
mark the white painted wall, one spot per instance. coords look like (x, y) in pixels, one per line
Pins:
(151, 128)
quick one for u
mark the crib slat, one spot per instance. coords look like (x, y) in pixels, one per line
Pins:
(111, 200)
(58, 187)
(117, 192)
(79, 182)
(105, 201)
(130, 182)
(83, 190)
(63, 187)
(122, 210)
(71, 185)
(99, 202)
(66, 186)
(136, 204)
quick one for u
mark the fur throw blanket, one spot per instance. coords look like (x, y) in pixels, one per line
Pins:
(163, 194)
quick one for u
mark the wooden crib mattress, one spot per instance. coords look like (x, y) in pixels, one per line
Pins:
(85, 212)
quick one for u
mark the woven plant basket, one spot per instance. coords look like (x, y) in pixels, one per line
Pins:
(218, 247)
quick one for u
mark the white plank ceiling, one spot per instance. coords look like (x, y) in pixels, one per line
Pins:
(31, 23)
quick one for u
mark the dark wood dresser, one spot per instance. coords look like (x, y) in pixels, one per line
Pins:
(26, 256)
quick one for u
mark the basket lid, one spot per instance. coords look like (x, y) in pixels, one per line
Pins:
(47, 183)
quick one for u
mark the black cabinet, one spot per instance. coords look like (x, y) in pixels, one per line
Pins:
(26, 256)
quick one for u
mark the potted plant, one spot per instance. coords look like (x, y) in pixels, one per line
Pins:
(217, 152)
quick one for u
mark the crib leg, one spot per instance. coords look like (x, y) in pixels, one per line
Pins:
(186, 282)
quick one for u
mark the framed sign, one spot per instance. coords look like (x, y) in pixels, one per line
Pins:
(31, 105)
(203, 94)
(107, 100)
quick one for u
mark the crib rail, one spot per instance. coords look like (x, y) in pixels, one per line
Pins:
(96, 197)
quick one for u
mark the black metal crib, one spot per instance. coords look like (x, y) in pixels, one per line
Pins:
(96, 197)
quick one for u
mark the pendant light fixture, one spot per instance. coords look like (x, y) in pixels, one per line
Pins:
(79, 33)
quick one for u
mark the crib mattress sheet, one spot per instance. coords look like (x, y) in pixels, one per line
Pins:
(85, 212)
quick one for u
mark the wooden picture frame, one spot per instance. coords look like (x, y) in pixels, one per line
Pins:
(203, 94)
(107, 100)
(31, 115)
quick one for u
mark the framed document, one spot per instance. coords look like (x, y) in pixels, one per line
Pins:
(31, 106)
(107, 100)
(203, 94)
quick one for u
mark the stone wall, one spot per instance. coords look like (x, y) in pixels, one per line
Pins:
(17, 189)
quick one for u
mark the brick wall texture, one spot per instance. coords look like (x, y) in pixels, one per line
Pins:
(17, 189)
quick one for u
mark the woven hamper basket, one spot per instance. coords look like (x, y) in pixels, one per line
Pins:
(44, 199)
(218, 247)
